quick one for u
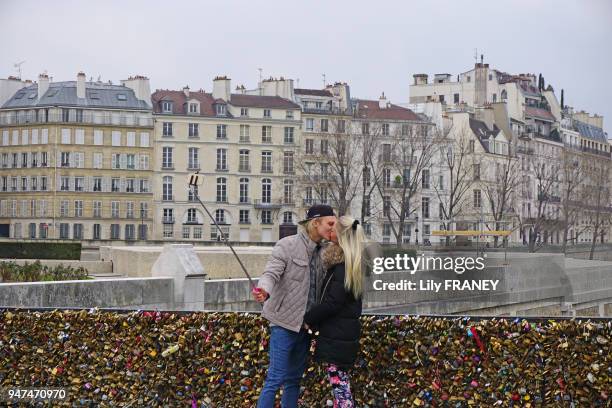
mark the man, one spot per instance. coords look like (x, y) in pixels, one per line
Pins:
(288, 288)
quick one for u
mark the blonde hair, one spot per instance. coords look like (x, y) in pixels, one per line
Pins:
(351, 240)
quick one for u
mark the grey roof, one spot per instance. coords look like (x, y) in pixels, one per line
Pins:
(97, 95)
(591, 132)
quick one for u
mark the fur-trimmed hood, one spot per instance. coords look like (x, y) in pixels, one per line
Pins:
(332, 255)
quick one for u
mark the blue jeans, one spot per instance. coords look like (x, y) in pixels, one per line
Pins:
(288, 353)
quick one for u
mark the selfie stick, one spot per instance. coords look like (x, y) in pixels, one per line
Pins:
(196, 180)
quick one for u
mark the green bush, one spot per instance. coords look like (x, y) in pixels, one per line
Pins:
(36, 272)
(40, 250)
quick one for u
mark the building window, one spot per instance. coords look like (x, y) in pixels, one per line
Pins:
(168, 230)
(167, 158)
(43, 184)
(288, 163)
(476, 171)
(287, 217)
(144, 162)
(425, 207)
(64, 231)
(266, 191)
(289, 135)
(341, 127)
(324, 125)
(115, 231)
(130, 185)
(194, 161)
(266, 134)
(221, 109)
(324, 147)
(97, 209)
(289, 115)
(365, 128)
(115, 209)
(144, 185)
(244, 112)
(221, 131)
(167, 189)
(244, 161)
(115, 184)
(221, 159)
(244, 217)
(477, 199)
(96, 231)
(425, 178)
(267, 113)
(192, 193)
(65, 183)
(192, 217)
(78, 183)
(245, 131)
(193, 108)
(78, 208)
(309, 146)
(385, 129)
(244, 190)
(194, 130)
(266, 217)
(131, 161)
(166, 107)
(166, 129)
(220, 216)
(386, 206)
(386, 175)
(221, 190)
(309, 124)
(469, 79)
(456, 98)
(288, 192)
(266, 162)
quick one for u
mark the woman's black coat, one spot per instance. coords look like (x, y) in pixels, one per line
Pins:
(336, 318)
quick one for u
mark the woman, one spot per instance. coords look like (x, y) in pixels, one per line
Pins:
(336, 317)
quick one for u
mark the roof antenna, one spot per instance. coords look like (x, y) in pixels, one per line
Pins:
(475, 55)
(324, 82)
(17, 66)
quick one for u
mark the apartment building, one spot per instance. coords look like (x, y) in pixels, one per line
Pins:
(75, 160)
(244, 144)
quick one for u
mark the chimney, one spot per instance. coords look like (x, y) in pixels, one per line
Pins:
(420, 79)
(141, 87)
(186, 91)
(80, 86)
(382, 101)
(43, 85)
(221, 88)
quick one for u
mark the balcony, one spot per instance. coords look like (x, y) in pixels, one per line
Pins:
(595, 151)
(524, 150)
(168, 219)
(244, 168)
(307, 202)
(268, 204)
(221, 169)
(87, 118)
(326, 110)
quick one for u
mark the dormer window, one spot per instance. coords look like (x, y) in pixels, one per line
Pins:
(244, 112)
(193, 108)
(221, 109)
(167, 107)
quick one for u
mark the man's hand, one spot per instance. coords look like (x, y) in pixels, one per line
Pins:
(260, 295)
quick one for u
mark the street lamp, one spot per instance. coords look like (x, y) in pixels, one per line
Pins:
(416, 230)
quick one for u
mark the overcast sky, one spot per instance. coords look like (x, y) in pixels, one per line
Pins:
(374, 46)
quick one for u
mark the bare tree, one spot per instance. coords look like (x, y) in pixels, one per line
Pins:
(371, 172)
(332, 167)
(501, 190)
(598, 196)
(546, 176)
(457, 159)
(404, 156)
(573, 178)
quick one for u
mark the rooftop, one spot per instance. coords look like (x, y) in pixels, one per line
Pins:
(370, 109)
(97, 95)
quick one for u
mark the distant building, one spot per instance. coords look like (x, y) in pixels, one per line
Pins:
(244, 144)
(75, 161)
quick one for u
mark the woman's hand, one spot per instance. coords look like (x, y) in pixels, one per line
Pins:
(260, 295)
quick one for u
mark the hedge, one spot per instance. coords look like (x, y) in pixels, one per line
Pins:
(40, 250)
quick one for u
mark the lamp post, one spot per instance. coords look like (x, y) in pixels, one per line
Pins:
(416, 230)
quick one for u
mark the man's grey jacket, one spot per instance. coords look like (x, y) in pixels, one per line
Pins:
(287, 280)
